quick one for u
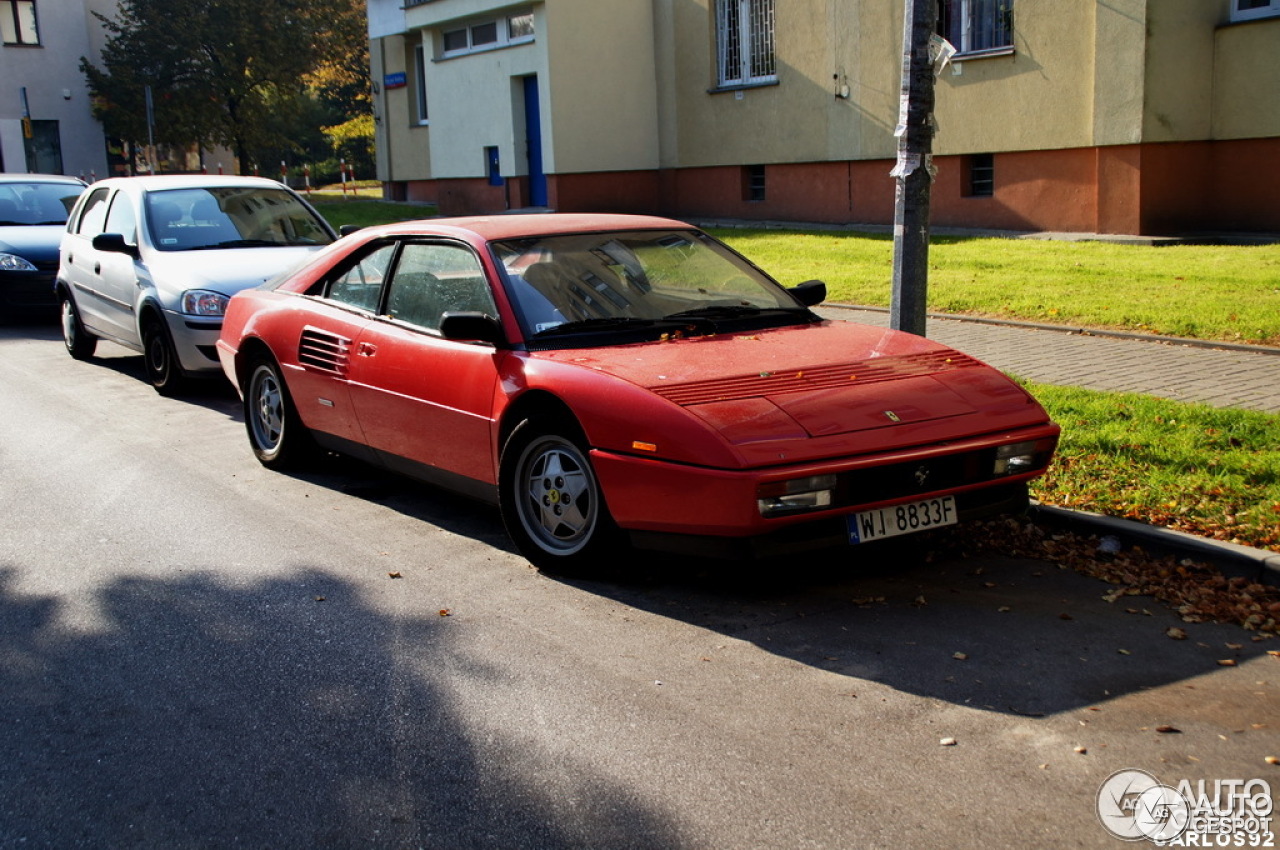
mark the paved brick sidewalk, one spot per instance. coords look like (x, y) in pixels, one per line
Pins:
(1222, 378)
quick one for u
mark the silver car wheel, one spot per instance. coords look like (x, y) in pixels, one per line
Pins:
(559, 497)
(266, 410)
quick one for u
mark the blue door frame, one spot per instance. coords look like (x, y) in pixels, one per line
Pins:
(533, 143)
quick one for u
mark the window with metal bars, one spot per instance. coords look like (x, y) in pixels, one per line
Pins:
(744, 42)
(975, 26)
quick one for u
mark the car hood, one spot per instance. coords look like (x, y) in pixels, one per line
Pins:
(826, 379)
(37, 243)
(226, 270)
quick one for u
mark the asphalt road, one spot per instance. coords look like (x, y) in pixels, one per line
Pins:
(196, 652)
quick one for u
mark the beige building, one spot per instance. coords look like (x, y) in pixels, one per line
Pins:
(46, 119)
(1124, 116)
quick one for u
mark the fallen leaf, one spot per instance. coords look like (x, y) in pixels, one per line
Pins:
(959, 656)
(947, 742)
(1065, 616)
(1168, 730)
(1124, 652)
(1176, 633)
(446, 612)
(394, 575)
(1272, 760)
(1081, 750)
(1227, 662)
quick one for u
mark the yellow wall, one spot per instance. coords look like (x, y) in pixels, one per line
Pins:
(1246, 80)
(403, 147)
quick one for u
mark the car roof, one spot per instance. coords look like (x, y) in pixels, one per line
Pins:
(16, 177)
(156, 182)
(515, 226)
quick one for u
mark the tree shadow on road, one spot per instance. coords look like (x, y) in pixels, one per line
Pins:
(201, 713)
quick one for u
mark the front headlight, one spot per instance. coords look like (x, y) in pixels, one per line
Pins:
(14, 263)
(1016, 458)
(799, 494)
(202, 302)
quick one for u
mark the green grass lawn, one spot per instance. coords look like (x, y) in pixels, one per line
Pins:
(1203, 470)
(1224, 293)
(364, 211)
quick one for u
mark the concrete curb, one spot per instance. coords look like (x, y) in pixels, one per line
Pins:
(1233, 559)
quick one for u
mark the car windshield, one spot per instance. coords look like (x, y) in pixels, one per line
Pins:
(666, 281)
(230, 217)
(34, 202)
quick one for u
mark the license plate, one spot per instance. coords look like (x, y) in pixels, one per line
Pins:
(902, 519)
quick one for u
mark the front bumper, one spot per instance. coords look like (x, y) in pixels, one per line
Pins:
(194, 341)
(649, 497)
(27, 293)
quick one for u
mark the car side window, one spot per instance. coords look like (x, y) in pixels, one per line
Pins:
(431, 280)
(360, 285)
(94, 217)
(121, 219)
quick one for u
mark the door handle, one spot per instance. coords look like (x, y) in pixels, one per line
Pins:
(366, 349)
(97, 268)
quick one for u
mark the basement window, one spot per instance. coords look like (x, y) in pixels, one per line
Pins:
(753, 183)
(980, 175)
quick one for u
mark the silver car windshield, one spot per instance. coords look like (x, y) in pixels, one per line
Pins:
(230, 217)
(587, 282)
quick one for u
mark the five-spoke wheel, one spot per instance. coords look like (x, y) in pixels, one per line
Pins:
(551, 501)
(277, 436)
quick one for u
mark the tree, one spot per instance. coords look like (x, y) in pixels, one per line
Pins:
(238, 73)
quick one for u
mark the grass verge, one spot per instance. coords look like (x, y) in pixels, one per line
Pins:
(1223, 293)
(1207, 471)
(365, 212)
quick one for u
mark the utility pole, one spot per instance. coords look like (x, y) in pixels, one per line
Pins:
(914, 172)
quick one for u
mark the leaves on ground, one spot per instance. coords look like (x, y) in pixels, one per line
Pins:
(1197, 591)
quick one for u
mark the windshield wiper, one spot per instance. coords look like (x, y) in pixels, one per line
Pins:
(587, 325)
(241, 243)
(735, 311)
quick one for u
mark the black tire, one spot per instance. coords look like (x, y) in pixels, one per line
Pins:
(80, 343)
(551, 502)
(159, 357)
(276, 433)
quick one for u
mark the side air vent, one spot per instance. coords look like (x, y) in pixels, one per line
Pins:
(323, 351)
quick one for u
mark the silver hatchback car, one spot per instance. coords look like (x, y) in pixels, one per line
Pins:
(150, 263)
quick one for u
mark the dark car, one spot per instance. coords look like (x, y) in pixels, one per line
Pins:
(33, 216)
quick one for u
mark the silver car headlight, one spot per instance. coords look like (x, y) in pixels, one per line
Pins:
(14, 263)
(202, 302)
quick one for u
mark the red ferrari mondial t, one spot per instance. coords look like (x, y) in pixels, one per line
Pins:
(612, 380)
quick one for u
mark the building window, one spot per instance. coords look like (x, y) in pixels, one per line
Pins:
(753, 183)
(744, 43)
(420, 81)
(488, 34)
(1246, 10)
(980, 180)
(977, 26)
(18, 22)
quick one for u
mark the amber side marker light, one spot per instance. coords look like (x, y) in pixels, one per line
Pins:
(644, 447)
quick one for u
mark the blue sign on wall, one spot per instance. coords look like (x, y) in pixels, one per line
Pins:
(394, 81)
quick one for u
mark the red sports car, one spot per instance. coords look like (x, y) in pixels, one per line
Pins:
(622, 379)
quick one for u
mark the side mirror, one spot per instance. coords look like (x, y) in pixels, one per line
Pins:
(471, 326)
(348, 229)
(811, 293)
(114, 243)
